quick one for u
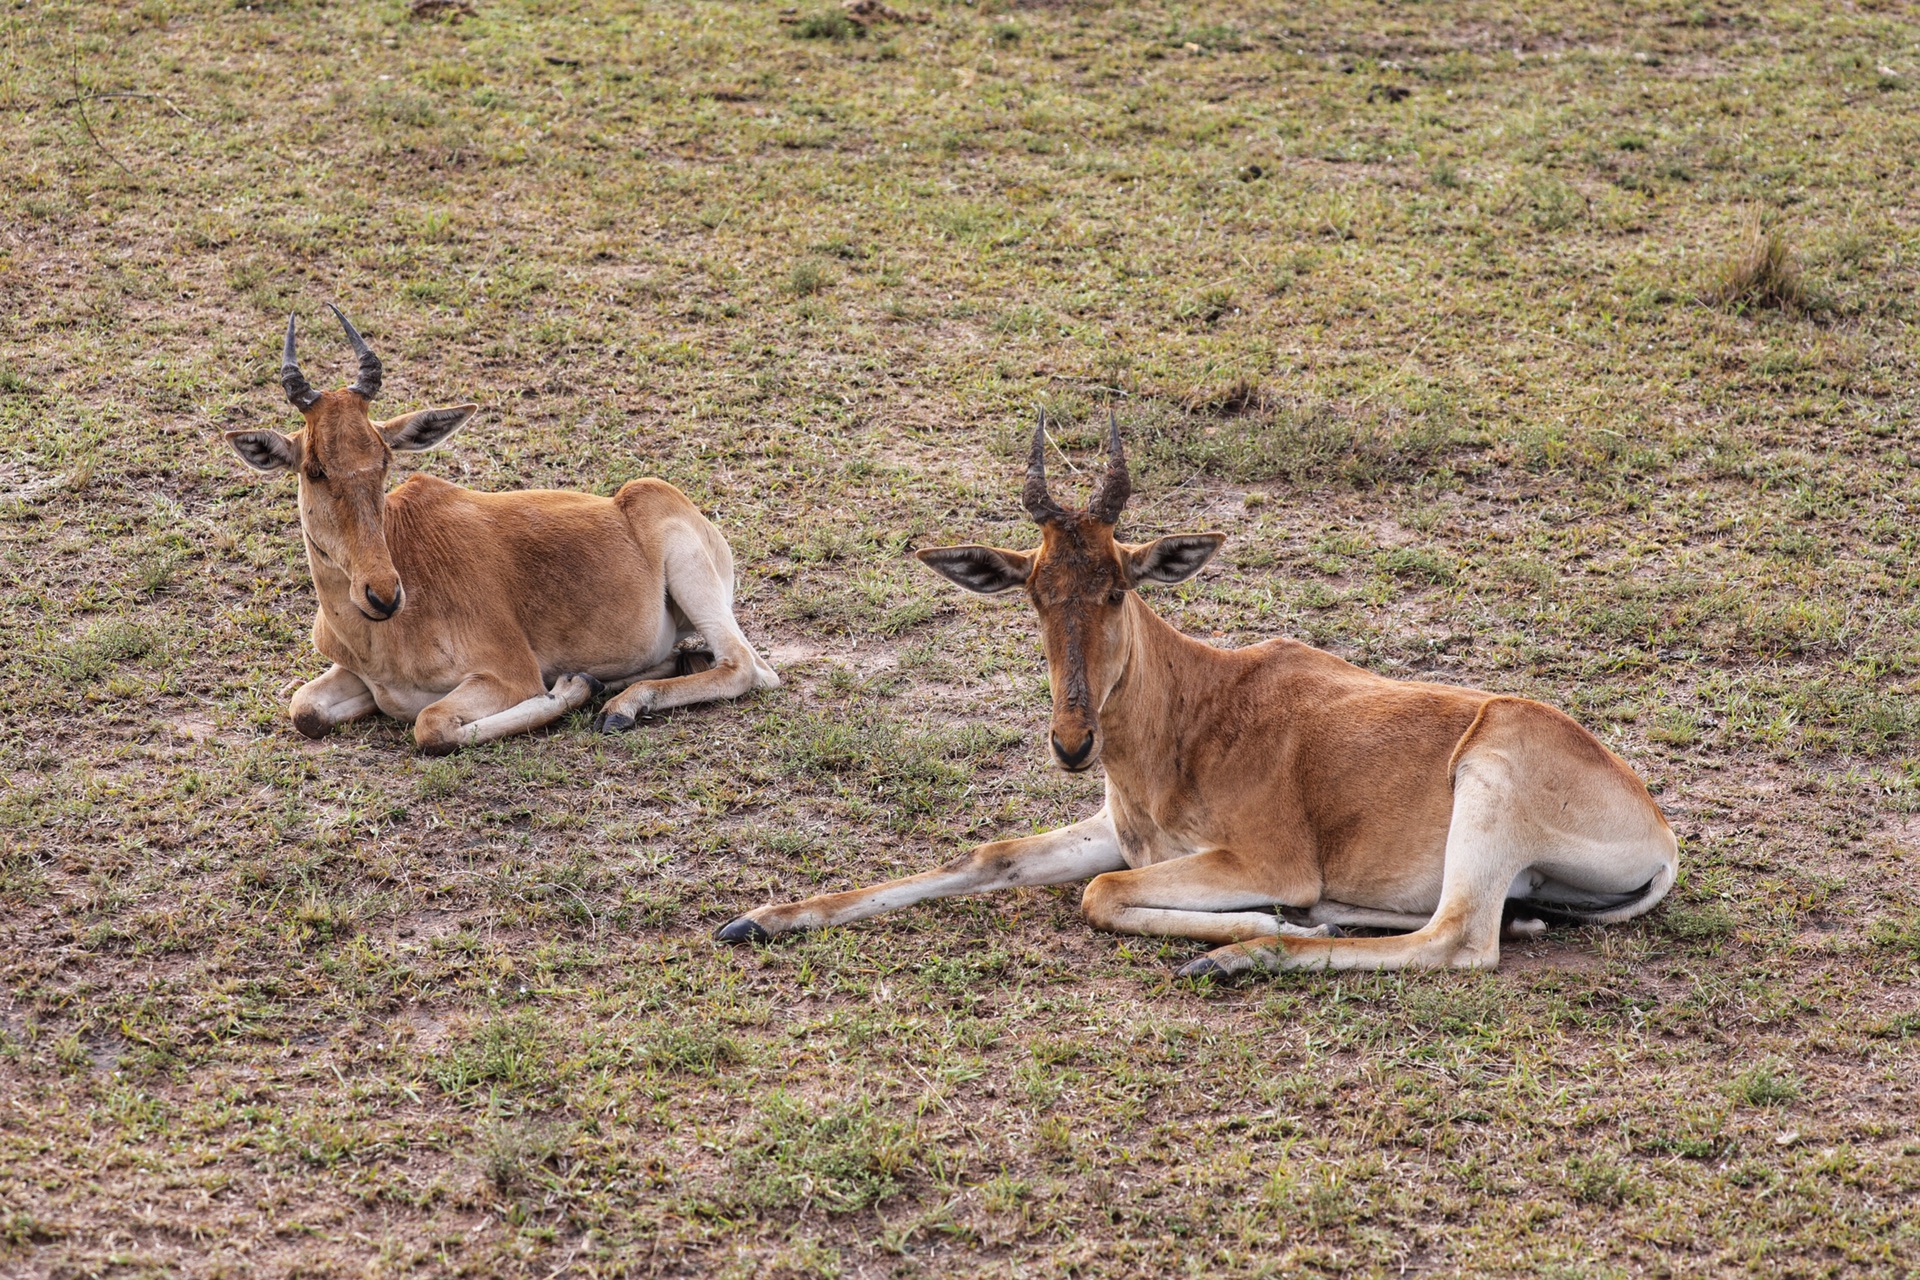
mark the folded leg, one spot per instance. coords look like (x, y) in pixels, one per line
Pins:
(702, 590)
(483, 708)
(1204, 896)
(331, 699)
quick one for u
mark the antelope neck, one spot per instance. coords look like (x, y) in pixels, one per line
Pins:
(1139, 710)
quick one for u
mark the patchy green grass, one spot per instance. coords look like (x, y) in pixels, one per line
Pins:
(1565, 350)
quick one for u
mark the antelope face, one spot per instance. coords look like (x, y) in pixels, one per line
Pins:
(341, 456)
(1080, 580)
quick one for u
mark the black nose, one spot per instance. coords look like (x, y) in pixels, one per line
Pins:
(1077, 757)
(383, 609)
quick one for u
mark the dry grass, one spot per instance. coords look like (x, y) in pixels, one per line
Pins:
(278, 1008)
(1760, 273)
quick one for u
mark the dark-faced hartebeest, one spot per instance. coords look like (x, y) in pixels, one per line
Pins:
(478, 615)
(1280, 776)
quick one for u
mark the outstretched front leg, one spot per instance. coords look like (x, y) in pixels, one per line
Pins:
(482, 708)
(332, 699)
(1054, 857)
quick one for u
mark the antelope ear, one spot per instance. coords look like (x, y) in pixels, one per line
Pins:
(266, 450)
(427, 429)
(1174, 558)
(986, 570)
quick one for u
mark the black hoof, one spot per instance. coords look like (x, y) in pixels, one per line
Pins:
(612, 722)
(594, 687)
(1334, 930)
(311, 725)
(1204, 967)
(745, 929)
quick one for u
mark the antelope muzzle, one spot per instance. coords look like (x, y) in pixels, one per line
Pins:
(379, 608)
(1074, 749)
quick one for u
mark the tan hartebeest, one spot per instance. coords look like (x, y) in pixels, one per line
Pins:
(478, 615)
(1279, 775)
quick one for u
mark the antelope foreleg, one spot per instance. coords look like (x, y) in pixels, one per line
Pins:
(1203, 896)
(331, 699)
(1054, 857)
(482, 708)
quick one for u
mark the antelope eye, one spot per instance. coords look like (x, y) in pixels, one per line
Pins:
(1116, 595)
(316, 475)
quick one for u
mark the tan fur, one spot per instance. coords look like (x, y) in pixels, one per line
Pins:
(512, 608)
(1281, 776)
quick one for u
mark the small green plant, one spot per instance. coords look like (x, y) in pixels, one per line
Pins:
(508, 1053)
(18, 1228)
(1765, 1084)
(513, 1153)
(1602, 1181)
(1555, 205)
(442, 778)
(1418, 565)
(1708, 922)
(687, 1049)
(1206, 307)
(154, 571)
(1897, 935)
(1675, 726)
(828, 24)
(100, 647)
(808, 277)
(1004, 1193)
(840, 1158)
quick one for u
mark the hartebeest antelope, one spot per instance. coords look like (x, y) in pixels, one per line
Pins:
(478, 615)
(1279, 775)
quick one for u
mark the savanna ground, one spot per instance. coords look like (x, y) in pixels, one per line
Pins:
(1567, 350)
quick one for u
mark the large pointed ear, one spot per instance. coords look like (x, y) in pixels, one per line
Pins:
(1174, 558)
(987, 570)
(427, 429)
(266, 450)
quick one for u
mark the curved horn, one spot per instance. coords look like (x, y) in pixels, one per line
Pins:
(291, 378)
(1116, 486)
(368, 383)
(1034, 497)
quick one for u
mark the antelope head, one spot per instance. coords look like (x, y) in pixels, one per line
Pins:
(1080, 580)
(341, 456)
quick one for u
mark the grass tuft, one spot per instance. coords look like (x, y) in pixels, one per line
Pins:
(687, 1048)
(514, 1153)
(1902, 934)
(1766, 1084)
(837, 1157)
(808, 277)
(827, 24)
(1602, 1181)
(1760, 273)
